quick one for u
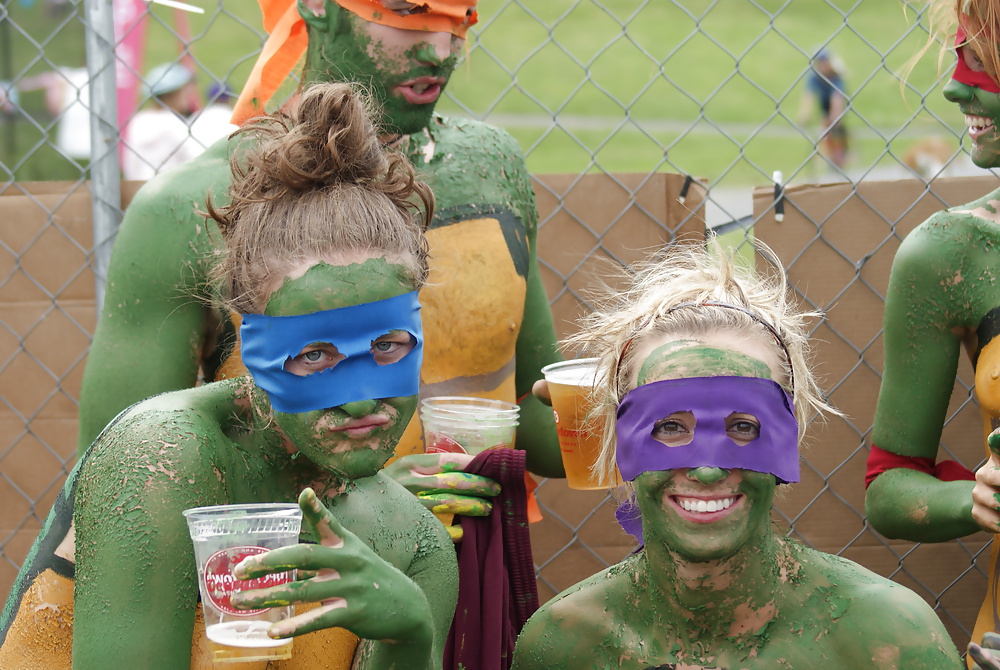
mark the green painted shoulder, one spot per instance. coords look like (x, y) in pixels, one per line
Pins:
(474, 163)
(184, 189)
(880, 620)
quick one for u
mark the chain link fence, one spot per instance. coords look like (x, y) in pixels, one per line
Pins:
(604, 96)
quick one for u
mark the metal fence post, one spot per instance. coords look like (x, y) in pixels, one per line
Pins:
(104, 136)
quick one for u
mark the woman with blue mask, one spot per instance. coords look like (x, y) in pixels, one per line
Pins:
(703, 390)
(324, 254)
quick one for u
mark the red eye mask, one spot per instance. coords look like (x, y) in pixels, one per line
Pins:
(966, 75)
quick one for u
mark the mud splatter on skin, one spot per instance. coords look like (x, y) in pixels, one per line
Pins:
(729, 593)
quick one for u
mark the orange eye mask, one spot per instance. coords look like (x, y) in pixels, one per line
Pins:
(435, 16)
(287, 39)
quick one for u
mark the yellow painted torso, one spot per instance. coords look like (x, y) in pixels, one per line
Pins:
(988, 394)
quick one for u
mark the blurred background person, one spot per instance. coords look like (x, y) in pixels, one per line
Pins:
(67, 99)
(212, 123)
(825, 91)
(160, 137)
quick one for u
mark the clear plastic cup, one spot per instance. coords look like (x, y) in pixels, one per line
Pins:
(223, 536)
(570, 386)
(467, 425)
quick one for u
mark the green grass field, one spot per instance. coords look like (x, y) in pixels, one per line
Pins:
(707, 88)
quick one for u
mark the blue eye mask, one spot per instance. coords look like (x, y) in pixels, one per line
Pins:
(269, 342)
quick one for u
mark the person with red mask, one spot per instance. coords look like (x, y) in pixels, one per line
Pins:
(943, 300)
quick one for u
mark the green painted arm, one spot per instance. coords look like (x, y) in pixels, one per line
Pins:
(152, 328)
(536, 342)
(924, 308)
(536, 348)
(136, 585)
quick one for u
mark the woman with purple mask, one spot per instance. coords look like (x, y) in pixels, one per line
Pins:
(704, 392)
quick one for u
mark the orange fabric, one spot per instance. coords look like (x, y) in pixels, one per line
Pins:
(534, 514)
(286, 43)
(287, 40)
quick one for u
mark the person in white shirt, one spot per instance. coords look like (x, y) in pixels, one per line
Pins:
(160, 136)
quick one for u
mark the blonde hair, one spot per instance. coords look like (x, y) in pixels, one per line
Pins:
(982, 32)
(316, 184)
(674, 295)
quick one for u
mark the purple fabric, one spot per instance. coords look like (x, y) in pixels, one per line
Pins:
(496, 576)
(711, 400)
(630, 520)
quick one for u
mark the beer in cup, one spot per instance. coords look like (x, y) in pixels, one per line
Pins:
(223, 536)
(570, 385)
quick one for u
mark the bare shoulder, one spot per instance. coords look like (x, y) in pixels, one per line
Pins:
(175, 436)
(569, 630)
(876, 621)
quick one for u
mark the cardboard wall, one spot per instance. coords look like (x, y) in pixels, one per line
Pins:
(837, 245)
(47, 314)
(587, 224)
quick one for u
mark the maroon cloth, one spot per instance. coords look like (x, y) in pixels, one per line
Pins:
(880, 460)
(496, 576)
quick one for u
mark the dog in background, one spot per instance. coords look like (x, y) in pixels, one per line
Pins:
(930, 156)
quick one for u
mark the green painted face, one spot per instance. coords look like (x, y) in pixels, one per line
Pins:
(406, 70)
(738, 501)
(354, 439)
(982, 111)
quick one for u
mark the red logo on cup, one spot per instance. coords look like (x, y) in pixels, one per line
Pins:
(221, 584)
(439, 443)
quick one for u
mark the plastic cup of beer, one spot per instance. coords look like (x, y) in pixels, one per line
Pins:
(570, 385)
(223, 536)
(467, 425)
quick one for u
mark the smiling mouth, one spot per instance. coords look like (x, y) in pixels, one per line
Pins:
(705, 510)
(978, 125)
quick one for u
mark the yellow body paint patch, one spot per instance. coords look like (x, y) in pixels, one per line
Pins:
(41, 635)
(328, 649)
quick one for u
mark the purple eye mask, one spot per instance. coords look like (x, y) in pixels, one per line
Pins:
(268, 342)
(711, 400)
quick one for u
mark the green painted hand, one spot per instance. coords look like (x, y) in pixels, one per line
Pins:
(355, 588)
(986, 656)
(986, 494)
(439, 483)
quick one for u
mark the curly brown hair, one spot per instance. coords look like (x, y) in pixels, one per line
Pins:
(312, 185)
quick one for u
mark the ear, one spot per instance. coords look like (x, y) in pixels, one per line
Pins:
(313, 12)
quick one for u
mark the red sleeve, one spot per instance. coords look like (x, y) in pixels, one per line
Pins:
(880, 460)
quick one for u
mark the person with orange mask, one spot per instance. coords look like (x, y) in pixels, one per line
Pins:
(486, 316)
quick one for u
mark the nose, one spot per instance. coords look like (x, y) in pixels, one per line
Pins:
(359, 408)
(707, 475)
(956, 91)
(435, 49)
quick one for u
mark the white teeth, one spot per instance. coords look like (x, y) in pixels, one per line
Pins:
(977, 122)
(704, 506)
(419, 88)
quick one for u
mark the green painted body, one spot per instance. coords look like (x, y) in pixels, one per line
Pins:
(775, 605)
(156, 330)
(943, 282)
(723, 590)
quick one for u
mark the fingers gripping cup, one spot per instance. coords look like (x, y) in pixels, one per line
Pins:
(467, 425)
(570, 384)
(223, 536)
